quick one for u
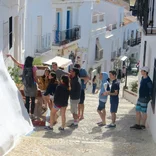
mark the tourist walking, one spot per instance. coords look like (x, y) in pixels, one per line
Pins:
(60, 102)
(145, 95)
(104, 87)
(29, 80)
(84, 79)
(94, 84)
(114, 97)
(58, 71)
(74, 95)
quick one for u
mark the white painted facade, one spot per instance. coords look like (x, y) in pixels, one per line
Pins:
(12, 29)
(150, 59)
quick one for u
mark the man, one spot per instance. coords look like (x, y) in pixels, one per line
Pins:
(84, 79)
(58, 71)
(75, 95)
(145, 95)
(114, 97)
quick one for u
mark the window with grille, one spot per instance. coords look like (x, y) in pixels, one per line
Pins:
(10, 33)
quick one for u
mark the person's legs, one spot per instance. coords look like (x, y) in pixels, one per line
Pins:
(94, 88)
(144, 114)
(63, 116)
(48, 101)
(27, 103)
(102, 112)
(81, 105)
(113, 118)
(52, 116)
(32, 105)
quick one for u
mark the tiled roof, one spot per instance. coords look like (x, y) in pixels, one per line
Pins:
(129, 19)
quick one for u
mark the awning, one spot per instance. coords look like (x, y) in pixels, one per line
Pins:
(61, 61)
(123, 58)
(67, 50)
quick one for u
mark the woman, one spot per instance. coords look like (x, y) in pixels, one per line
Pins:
(60, 102)
(50, 91)
(94, 81)
(29, 79)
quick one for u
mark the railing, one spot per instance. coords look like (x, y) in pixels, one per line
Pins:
(134, 42)
(111, 27)
(43, 43)
(144, 11)
(66, 36)
(98, 18)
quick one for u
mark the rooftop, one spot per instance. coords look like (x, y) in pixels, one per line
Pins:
(121, 3)
(129, 19)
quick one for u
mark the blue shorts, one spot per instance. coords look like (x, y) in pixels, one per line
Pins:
(101, 105)
(114, 105)
(141, 107)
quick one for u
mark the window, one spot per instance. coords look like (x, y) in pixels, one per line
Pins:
(154, 87)
(10, 33)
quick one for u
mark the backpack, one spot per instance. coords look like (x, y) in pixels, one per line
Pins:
(28, 79)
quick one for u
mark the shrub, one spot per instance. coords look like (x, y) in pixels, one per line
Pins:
(134, 86)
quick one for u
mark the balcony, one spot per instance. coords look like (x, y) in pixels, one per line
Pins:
(61, 38)
(131, 42)
(145, 15)
(111, 27)
(43, 43)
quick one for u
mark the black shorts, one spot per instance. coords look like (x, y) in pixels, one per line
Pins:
(82, 96)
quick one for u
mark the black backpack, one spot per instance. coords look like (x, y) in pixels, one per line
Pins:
(28, 78)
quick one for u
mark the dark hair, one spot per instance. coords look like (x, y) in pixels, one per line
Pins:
(76, 70)
(28, 62)
(94, 78)
(53, 80)
(45, 71)
(77, 66)
(65, 80)
(113, 72)
(54, 63)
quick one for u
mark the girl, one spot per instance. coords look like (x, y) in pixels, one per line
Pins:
(29, 81)
(102, 98)
(50, 91)
(60, 102)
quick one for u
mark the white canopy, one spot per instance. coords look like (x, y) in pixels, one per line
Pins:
(123, 58)
(61, 61)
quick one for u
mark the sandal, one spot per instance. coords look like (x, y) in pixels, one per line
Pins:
(61, 129)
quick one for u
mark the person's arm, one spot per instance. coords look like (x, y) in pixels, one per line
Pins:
(15, 61)
(149, 84)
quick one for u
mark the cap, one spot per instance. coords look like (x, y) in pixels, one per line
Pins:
(145, 69)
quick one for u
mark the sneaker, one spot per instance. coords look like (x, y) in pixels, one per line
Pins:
(136, 127)
(48, 128)
(61, 129)
(111, 126)
(73, 125)
(142, 127)
(101, 124)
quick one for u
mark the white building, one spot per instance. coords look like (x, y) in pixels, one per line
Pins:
(12, 28)
(148, 53)
(51, 28)
(106, 34)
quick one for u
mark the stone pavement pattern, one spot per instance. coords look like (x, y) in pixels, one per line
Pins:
(89, 139)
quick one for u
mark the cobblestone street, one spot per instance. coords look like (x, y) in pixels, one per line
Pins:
(89, 139)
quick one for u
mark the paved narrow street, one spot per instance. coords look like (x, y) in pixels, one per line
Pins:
(89, 139)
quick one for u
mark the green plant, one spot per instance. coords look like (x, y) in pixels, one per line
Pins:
(14, 73)
(37, 61)
(134, 86)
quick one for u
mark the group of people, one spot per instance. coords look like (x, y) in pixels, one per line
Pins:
(57, 86)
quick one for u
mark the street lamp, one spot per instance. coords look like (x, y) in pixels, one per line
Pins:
(127, 62)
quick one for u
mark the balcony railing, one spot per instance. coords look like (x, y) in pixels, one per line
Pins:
(144, 11)
(111, 27)
(43, 43)
(131, 42)
(66, 36)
